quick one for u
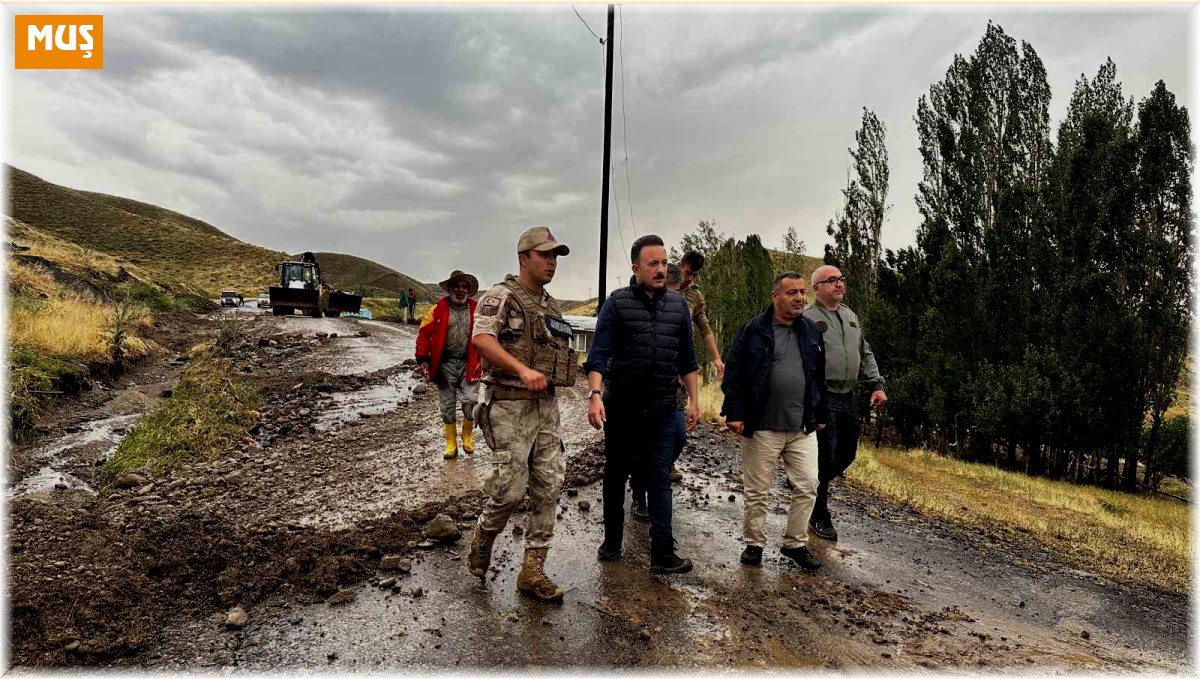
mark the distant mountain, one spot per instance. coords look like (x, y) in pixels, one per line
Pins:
(175, 249)
(362, 276)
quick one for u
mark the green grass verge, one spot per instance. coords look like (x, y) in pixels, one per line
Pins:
(30, 372)
(208, 412)
(388, 309)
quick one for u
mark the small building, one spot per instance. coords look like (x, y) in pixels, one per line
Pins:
(583, 329)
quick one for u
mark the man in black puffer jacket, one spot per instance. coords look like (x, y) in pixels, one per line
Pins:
(775, 397)
(643, 344)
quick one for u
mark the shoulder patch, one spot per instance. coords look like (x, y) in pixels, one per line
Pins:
(490, 305)
(822, 326)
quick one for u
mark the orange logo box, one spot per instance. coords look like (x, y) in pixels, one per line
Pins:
(59, 41)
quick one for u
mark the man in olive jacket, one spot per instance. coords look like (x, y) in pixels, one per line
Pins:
(848, 359)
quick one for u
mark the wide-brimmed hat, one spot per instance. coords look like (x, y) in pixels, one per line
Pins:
(472, 282)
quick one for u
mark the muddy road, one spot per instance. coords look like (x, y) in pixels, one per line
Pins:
(344, 472)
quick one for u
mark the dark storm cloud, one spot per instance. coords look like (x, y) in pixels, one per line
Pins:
(427, 138)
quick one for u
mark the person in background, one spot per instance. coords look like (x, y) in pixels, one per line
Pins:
(447, 357)
(412, 305)
(848, 358)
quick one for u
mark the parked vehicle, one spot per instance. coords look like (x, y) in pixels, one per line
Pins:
(264, 301)
(231, 298)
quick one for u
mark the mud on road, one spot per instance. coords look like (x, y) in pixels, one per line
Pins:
(344, 470)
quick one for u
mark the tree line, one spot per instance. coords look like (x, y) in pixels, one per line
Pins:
(1041, 320)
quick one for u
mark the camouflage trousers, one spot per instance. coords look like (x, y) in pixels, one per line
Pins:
(453, 389)
(527, 453)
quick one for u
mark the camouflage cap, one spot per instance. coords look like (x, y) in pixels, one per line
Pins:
(539, 238)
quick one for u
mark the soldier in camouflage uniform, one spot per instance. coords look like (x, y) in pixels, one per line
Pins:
(527, 354)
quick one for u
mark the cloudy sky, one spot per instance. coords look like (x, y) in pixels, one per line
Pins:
(428, 138)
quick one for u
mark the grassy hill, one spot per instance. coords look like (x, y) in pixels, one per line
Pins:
(358, 275)
(174, 248)
(176, 251)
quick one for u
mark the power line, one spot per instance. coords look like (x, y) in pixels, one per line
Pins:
(625, 125)
(617, 202)
(585, 24)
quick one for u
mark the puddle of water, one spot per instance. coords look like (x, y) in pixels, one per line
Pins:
(350, 405)
(348, 354)
(96, 440)
(460, 621)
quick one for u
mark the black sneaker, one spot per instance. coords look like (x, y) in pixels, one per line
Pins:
(663, 559)
(803, 558)
(823, 528)
(608, 552)
(752, 555)
(639, 510)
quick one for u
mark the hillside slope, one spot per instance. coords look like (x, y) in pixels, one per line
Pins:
(175, 248)
(359, 275)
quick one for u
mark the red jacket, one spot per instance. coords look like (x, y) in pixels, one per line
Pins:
(431, 340)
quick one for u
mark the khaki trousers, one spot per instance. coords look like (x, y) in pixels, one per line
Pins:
(799, 453)
(527, 454)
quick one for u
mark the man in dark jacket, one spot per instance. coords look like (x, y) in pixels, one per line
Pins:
(637, 508)
(775, 398)
(642, 346)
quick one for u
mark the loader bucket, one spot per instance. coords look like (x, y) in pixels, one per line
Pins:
(296, 298)
(342, 302)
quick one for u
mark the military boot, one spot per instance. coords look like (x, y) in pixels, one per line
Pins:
(451, 441)
(532, 580)
(481, 552)
(468, 436)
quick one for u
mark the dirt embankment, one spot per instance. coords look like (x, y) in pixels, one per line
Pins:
(94, 577)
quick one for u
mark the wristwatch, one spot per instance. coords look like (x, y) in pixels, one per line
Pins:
(595, 392)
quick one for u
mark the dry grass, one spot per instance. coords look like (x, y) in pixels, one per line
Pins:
(588, 308)
(1126, 537)
(173, 248)
(72, 328)
(711, 399)
(1183, 400)
(30, 279)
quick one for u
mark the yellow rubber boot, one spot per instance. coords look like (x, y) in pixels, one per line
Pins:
(468, 436)
(451, 441)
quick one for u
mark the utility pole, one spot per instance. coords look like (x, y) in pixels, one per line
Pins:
(607, 159)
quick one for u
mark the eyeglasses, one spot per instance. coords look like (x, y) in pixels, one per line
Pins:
(831, 280)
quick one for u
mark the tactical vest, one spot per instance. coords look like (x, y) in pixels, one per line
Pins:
(540, 341)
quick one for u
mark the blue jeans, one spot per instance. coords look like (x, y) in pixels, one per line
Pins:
(641, 445)
(635, 485)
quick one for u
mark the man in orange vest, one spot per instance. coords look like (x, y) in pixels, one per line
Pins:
(447, 357)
